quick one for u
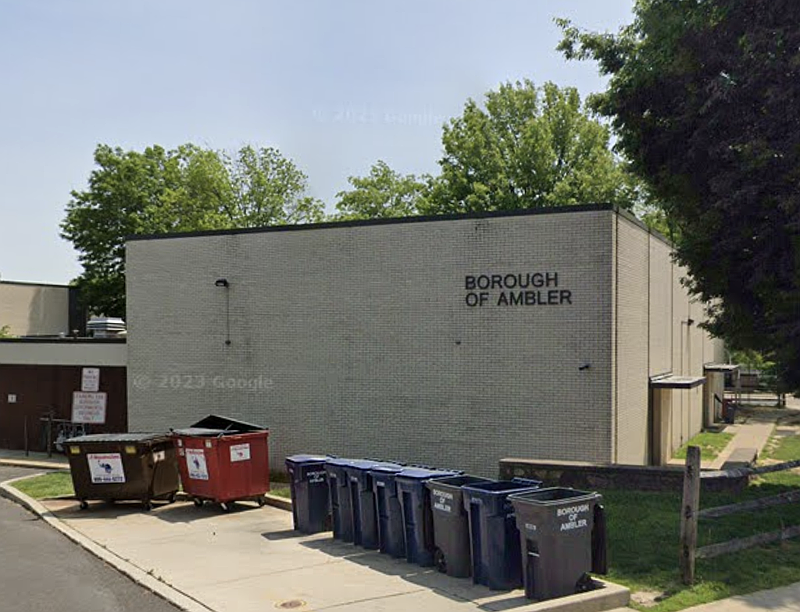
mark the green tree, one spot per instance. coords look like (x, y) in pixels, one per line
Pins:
(384, 193)
(703, 95)
(528, 147)
(5, 331)
(185, 189)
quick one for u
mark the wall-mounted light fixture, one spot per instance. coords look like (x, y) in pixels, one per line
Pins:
(223, 282)
(584, 366)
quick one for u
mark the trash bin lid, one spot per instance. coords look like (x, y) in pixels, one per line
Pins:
(387, 468)
(214, 421)
(338, 461)
(423, 474)
(502, 488)
(552, 496)
(115, 437)
(307, 458)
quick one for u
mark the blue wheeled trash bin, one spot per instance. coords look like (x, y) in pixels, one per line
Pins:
(450, 524)
(415, 506)
(493, 533)
(341, 506)
(362, 501)
(391, 540)
(308, 481)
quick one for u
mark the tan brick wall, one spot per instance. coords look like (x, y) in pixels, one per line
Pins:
(30, 309)
(632, 337)
(357, 340)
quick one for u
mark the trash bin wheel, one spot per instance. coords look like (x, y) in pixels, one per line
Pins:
(84, 504)
(439, 561)
(198, 502)
(584, 584)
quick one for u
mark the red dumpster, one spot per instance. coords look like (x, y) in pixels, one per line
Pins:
(223, 460)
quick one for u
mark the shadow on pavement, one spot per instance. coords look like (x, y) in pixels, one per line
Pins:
(457, 589)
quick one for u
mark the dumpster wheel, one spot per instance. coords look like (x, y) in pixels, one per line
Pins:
(84, 504)
(147, 505)
(198, 502)
(226, 506)
(261, 500)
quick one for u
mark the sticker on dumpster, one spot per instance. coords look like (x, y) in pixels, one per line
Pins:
(442, 500)
(572, 516)
(159, 456)
(105, 468)
(196, 464)
(240, 452)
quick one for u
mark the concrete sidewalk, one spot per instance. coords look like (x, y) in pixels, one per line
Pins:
(252, 560)
(753, 435)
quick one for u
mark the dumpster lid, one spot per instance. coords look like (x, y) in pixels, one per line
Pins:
(203, 431)
(214, 421)
(116, 437)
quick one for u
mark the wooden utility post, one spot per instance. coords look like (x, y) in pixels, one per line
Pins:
(689, 514)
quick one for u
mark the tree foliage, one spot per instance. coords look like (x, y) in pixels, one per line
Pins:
(383, 193)
(528, 147)
(705, 98)
(5, 331)
(185, 189)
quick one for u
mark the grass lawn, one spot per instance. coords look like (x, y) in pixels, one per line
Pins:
(280, 489)
(53, 484)
(711, 444)
(56, 484)
(644, 528)
(784, 448)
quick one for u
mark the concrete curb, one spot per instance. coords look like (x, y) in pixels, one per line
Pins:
(38, 465)
(139, 576)
(610, 597)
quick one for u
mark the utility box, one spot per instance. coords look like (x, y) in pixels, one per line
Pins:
(123, 467)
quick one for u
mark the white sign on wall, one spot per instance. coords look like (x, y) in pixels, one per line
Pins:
(240, 452)
(89, 407)
(106, 468)
(196, 463)
(90, 379)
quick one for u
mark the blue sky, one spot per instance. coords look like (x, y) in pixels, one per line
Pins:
(333, 84)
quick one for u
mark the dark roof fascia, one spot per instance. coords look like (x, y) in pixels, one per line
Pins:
(32, 284)
(579, 208)
(63, 340)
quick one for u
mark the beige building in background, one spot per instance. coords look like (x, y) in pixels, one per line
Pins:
(34, 309)
(560, 334)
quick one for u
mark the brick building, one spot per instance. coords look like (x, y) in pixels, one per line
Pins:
(560, 334)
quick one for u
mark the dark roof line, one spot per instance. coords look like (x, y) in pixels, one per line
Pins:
(551, 210)
(33, 284)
